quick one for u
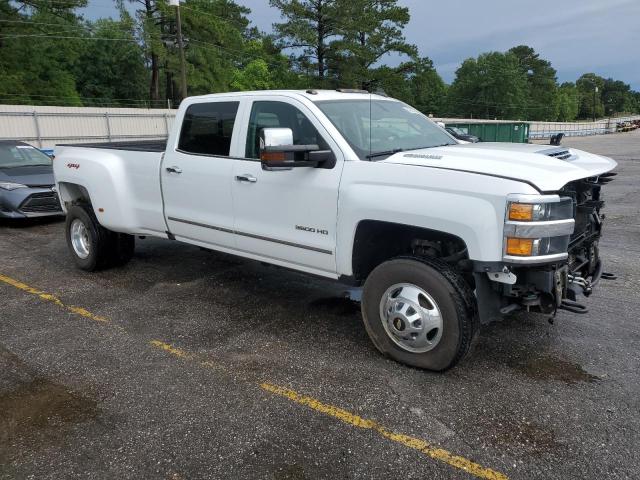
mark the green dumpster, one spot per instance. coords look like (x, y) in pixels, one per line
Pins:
(514, 132)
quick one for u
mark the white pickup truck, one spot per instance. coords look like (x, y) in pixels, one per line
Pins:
(358, 188)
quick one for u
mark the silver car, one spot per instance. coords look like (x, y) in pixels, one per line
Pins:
(26, 182)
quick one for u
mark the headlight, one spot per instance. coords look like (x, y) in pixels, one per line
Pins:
(11, 186)
(561, 209)
(537, 228)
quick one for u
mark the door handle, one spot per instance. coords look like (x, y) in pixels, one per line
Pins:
(246, 178)
(174, 169)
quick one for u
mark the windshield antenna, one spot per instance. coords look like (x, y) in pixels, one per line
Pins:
(370, 124)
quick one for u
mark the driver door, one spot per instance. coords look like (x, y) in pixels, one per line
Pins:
(287, 217)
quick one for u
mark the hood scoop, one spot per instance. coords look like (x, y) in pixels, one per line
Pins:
(559, 153)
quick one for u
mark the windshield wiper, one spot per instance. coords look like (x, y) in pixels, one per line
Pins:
(382, 154)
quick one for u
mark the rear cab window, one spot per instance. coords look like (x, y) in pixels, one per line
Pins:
(207, 128)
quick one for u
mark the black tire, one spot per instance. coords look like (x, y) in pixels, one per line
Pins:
(106, 248)
(454, 298)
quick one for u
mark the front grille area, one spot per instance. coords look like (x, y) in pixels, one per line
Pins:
(587, 206)
(44, 202)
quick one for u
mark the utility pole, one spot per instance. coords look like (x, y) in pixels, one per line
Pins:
(183, 67)
(595, 91)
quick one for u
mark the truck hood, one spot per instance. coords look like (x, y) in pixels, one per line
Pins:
(546, 167)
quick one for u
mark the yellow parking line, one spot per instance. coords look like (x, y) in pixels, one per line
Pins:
(349, 418)
(171, 349)
(51, 298)
(411, 442)
(336, 412)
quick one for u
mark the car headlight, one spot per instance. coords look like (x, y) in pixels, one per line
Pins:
(537, 228)
(11, 185)
(560, 209)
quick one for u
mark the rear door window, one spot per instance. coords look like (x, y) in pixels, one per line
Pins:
(207, 128)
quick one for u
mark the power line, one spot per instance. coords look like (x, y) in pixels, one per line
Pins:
(89, 28)
(220, 17)
(68, 37)
(203, 44)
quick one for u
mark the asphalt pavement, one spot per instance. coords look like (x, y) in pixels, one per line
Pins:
(188, 364)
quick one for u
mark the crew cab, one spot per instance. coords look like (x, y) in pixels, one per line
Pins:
(358, 188)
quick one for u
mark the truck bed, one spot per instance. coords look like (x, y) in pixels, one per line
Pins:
(132, 145)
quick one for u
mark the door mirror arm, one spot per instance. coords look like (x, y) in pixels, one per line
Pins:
(283, 160)
(277, 152)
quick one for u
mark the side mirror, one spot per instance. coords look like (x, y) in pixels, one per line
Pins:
(277, 152)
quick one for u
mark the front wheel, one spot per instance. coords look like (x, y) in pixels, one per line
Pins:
(420, 312)
(92, 246)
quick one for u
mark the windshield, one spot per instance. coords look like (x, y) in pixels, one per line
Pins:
(379, 128)
(22, 156)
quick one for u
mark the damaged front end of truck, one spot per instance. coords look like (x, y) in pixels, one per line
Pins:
(551, 252)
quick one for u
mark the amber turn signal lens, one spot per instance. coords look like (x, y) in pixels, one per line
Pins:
(521, 211)
(272, 157)
(520, 246)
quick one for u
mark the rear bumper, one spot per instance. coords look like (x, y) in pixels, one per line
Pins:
(29, 203)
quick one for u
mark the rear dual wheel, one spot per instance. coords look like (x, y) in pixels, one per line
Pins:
(92, 246)
(420, 312)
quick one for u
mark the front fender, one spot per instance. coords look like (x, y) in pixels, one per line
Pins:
(468, 205)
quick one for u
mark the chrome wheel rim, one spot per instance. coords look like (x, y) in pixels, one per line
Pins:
(80, 240)
(411, 318)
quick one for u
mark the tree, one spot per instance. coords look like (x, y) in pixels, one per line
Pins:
(635, 102)
(265, 68)
(214, 33)
(369, 30)
(38, 53)
(151, 22)
(415, 82)
(542, 83)
(112, 71)
(567, 102)
(590, 88)
(493, 85)
(617, 97)
(310, 26)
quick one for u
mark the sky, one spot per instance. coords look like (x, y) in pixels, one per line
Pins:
(576, 36)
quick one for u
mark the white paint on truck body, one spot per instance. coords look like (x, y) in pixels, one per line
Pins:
(457, 189)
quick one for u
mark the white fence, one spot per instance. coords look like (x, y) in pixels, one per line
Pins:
(574, 129)
(47, 126)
